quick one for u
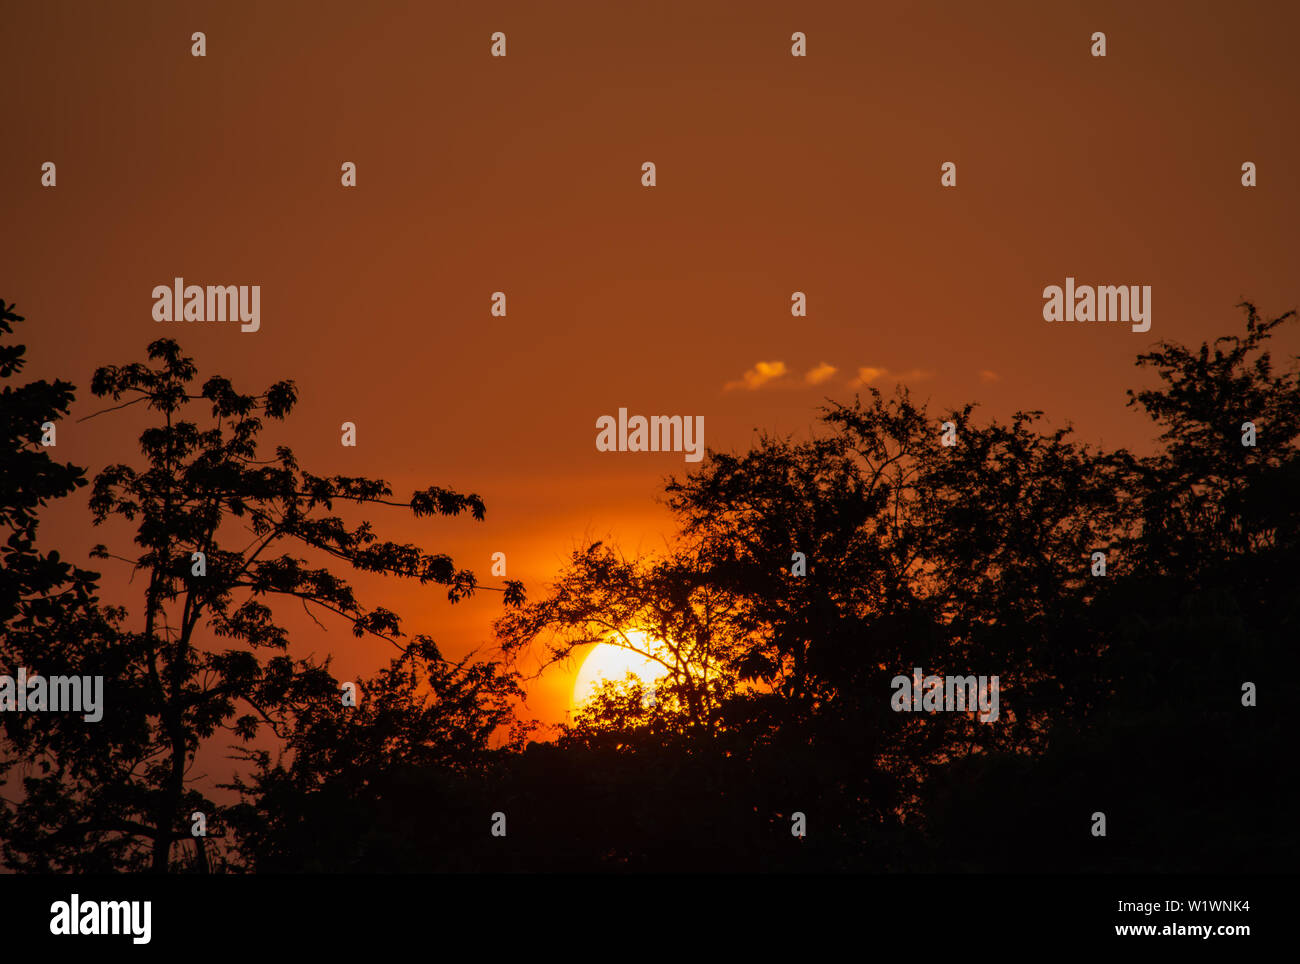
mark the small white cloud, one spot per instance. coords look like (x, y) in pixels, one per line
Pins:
(759, 375)
(868, 375)
(819, 374)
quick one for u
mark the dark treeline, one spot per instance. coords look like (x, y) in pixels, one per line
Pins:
(1134, 610)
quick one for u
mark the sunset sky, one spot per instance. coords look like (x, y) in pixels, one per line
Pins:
(522, 174)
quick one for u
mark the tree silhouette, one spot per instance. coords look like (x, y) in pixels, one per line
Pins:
(50, 621)
(805, 576)
(1202, 603)
(970, 559)
(418, 746)
(663, 610)
(34, 586)
(216, 529)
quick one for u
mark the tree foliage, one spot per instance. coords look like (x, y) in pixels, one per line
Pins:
(222, 536)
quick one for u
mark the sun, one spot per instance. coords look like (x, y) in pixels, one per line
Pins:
(608, 661)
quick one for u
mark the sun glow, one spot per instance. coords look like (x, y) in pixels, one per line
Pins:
(609, 661)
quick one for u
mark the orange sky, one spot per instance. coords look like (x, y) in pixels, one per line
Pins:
(522, 174)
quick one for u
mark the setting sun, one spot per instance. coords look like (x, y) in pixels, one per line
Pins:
(608, 661)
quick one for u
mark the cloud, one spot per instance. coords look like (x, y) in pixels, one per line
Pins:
(819, 374)
(758, 376)
(988, 376)
(868, 375)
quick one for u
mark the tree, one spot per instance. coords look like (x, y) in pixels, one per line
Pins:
(1212, 498)
(216, 528)
(29, 479)
(50, 621)
(1201, 604)
(815, 572)
(379, 786)
(663, 610)
(969, 559)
